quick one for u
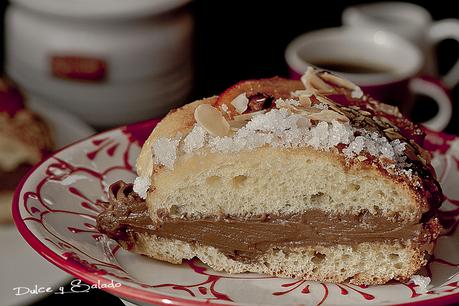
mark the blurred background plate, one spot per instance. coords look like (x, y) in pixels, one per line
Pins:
(20, 266)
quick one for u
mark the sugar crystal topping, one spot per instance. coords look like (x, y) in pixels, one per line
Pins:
(279, 128)
(282, 129)
(165, 151)
(141, 185)
(422, 282)
(306, 119)
(195, 139)
(376, 146)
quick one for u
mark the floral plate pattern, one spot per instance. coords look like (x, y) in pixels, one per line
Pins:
(56, 204)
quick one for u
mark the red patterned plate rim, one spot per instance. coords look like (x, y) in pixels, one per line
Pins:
(126, 291)
(77, 270)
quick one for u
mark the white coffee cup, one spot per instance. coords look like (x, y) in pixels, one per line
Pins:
(396, 84)
(412, 22)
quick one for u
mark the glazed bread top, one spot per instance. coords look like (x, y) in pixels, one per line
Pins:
(325, 144)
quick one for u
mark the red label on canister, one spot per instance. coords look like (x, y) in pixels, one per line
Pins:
(78, 68)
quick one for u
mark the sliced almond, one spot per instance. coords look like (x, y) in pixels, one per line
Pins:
(357, 93)
(330, 103)
(305, 100)
(290, 107)
(237, 124)
(320, 85)
(328, 116)
(301, 92)
(325, 100)
(311, 110)
(240, 121)
(313, 83)
(302, 109)
(361, 158)
(248, 116)
(364, 113)
(212, 120)
(338, 81)
(389, 109)
(240, 103)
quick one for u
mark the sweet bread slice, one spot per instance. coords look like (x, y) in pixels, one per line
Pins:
(306, 179)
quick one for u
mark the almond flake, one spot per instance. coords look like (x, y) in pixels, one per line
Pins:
(357, 93)
(237, 124)
(305, 100)
(280, 103)
(211, 119)
(330, 103)
(324, 100)
(338, 81)
(389, 109)
(328, 116)
(240, 121)
(313, 83)
(361, 158)
(298, 108)
(240, 103)
(248, 116)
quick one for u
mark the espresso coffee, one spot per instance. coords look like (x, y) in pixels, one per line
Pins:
(353, 67)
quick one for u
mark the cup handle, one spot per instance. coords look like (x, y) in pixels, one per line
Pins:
(439, 93)
(441, 30)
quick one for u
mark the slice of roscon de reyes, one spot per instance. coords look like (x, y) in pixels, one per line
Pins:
(308, 179)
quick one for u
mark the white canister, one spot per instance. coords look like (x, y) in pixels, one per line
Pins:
(109, 61)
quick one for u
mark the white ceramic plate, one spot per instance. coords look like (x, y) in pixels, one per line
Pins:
(55, 209)
(19, 264)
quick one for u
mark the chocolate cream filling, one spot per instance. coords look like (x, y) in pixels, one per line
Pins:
(245, 239)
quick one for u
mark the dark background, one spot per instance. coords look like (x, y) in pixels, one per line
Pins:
(237, 40)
